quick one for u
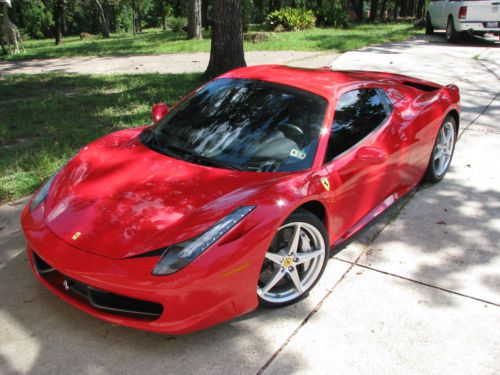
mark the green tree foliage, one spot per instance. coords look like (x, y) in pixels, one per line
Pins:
(35, 18)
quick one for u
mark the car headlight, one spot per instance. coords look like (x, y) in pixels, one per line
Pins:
(41, 195)
(180, 255)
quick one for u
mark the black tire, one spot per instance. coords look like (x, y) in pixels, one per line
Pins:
(429, 29)
(431, 175)
(452, 35)
(301, 216)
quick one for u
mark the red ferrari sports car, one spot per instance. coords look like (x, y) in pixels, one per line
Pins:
(236, 196)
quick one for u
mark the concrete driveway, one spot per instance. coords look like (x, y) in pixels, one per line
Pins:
(417, 292)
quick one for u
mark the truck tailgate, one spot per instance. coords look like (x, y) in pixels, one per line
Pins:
(483, 11)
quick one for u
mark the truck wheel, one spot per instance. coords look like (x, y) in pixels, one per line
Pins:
(429, 29)
(452, 35)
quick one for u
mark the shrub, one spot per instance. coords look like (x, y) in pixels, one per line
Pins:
(37, 19)
(334, 15)
(177, 23)
(292, 19)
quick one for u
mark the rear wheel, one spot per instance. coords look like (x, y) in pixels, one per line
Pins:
(451, 34)
(294, 262)
(442, 153)
(429, 29)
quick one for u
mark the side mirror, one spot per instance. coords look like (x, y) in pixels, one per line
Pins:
(158, 111)
(371, 155)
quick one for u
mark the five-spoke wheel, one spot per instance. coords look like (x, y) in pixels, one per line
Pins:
(295, 260)
(443, 151)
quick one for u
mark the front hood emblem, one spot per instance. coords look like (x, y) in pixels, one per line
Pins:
(76, 235)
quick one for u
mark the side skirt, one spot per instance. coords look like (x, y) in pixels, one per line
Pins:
(344, 240)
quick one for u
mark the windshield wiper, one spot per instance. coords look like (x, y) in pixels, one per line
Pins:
(203, 159)
(153, 141)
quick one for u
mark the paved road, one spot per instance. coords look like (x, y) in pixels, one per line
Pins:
(418, 292)
(167, 63)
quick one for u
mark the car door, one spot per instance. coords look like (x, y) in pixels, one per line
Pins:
(364, 156)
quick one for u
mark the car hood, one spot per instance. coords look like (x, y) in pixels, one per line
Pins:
(118, 198)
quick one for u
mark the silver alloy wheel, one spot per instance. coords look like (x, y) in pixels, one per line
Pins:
(444, 148)
(292, 266)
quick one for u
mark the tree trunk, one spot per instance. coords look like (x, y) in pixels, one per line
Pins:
(194, 20)
(134, 31)
(373, 10)
(383, 7)
(2, 42)
(420, 9)
(277, 4)
(226, 50)
(177, 8)
(411, 8)
(103, 19)
(359, 9)
(58, 15)
(204, 14)
(164, 21)
(395, 10)
(403, 11)
(139, 18)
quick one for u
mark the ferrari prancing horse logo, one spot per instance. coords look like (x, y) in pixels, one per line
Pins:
(76, 235)
(325, 183)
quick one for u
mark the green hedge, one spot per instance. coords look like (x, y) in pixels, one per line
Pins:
(292, 19)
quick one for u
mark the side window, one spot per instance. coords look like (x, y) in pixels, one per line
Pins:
(357, 114)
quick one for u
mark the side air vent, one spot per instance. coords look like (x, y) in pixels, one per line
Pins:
(420, 86)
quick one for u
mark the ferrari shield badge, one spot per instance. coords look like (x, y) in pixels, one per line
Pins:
(76, 235)
(325, 183)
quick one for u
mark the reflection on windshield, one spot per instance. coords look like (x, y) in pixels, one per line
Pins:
(245, 124)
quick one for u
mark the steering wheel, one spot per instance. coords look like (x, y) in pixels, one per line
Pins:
(299, 133)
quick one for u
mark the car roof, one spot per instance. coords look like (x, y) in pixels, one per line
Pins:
(323, 81)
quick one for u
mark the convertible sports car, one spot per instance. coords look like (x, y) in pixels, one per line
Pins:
(236, 196)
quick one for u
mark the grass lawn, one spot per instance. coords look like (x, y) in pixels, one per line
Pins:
(155, 41)
(45, 119)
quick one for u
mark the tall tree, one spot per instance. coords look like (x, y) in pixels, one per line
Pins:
(357, 5)
(194, 19)
(420, 9)
(383, 8)
(226, 51)
(58, 16)
(373, 10)
(205, 22)
(103, 20)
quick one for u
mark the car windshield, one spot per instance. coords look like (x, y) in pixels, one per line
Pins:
(242, 124)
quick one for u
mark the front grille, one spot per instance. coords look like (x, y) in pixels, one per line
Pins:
(98, 299)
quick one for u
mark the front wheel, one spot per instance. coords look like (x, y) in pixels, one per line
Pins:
(451, 34)
(429, 29)
(295, 260)
(442, 153)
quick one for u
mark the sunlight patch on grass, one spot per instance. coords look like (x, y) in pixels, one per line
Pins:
(156, 41)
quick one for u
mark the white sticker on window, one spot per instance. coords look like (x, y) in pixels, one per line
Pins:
(297, 154)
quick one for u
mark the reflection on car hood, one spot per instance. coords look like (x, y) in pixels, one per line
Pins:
(118, 198)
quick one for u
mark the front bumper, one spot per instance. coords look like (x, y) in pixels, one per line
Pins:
(217, 286)
(477, 27)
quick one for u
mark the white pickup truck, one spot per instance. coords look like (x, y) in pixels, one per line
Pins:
(476, 17)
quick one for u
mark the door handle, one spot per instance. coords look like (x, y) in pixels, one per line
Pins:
(371, 155)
